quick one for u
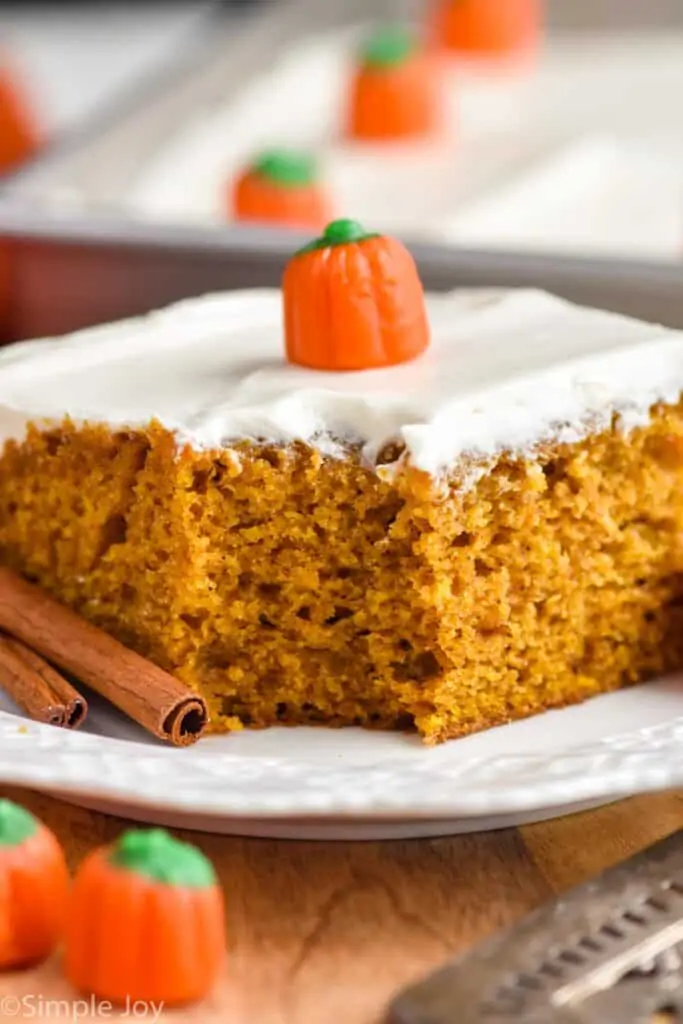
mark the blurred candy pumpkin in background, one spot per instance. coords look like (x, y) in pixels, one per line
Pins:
(488, 28)
(281, 187)
(20, 140)
(20, 137)
(395, 91)
(34, 888)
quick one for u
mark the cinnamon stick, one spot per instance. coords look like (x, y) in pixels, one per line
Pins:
(37, 688)
(153, 698)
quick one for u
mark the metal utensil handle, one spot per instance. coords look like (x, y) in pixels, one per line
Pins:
(606, 952)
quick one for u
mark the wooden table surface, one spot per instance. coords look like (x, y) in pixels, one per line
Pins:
(327, 932)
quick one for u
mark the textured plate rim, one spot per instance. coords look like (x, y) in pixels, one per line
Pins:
(226, 785)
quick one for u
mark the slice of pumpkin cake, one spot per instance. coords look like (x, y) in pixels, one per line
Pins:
(375, 509)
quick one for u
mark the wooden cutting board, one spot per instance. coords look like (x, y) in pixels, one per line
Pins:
(328, 932)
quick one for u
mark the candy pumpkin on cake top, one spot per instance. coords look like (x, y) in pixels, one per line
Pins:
(19, 133)
(353, 300)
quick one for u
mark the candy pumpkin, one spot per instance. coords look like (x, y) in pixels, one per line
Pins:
(146, 922)
(19, 134)
(281, 187)
(395, 89)
(34, 888)
(353, 301)
(484, 28)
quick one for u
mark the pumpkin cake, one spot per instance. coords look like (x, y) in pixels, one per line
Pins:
(489, 530)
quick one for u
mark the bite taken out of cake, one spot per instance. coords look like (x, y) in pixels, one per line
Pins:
(486, 524)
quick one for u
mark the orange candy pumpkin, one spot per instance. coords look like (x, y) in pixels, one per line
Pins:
(395, 91)
(34, 888)
(19, 134)
(353, 301)
(281, 187)
(488, 28)
(146, 922)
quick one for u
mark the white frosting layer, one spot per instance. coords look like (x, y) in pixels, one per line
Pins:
(513, 133)
(506, 369)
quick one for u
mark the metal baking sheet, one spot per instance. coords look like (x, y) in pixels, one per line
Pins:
(144, 165)
(91, 171)
(73, 265)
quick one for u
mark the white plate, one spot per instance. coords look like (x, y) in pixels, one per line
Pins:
(351, 784)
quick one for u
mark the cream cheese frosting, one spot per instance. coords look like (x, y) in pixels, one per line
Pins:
(505, 371)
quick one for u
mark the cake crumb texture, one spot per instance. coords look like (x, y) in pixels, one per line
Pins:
(292, 588)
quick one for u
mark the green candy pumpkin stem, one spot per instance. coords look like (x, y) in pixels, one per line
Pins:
(287, 168)
(155, 854)
(339, 232)
(16, 824)
(388, 47)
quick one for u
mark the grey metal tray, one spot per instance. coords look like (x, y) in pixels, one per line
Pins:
(608, 952)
